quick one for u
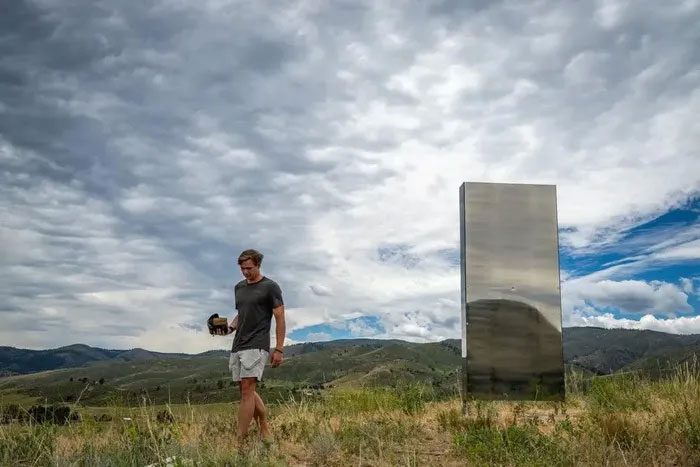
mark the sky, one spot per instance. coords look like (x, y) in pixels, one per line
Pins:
(144, 145)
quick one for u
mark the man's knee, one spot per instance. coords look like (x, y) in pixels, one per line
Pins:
(247, 387)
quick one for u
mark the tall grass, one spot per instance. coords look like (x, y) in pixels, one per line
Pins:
(614, 420)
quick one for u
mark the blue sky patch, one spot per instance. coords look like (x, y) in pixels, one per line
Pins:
(365, 326)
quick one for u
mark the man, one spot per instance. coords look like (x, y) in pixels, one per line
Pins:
(258, 299)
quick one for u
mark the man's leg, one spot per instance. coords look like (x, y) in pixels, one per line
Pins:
(256, 413)
(261, 417)
(246, 409)
(260, 413)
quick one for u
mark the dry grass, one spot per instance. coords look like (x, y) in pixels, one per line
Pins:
(614, 422)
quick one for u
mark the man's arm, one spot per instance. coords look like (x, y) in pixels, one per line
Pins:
(233, 325)
(280, 330)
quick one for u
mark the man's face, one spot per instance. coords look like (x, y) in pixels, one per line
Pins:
(249, 269)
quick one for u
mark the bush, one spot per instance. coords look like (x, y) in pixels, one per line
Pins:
(60, 415)
(12, 413)
(325, 448)
(164, 416)
(412, 398)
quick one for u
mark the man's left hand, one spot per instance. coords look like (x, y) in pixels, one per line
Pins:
(275, 359)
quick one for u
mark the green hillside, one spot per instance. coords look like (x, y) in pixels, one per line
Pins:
(205, 378)
(126, 377)
(604, 351)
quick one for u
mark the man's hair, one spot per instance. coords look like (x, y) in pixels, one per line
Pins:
(253, 255)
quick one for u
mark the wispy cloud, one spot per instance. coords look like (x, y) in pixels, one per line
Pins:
(142, 147)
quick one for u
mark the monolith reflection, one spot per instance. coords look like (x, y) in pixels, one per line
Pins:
(511, 302)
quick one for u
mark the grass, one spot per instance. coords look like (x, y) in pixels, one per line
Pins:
(7, 398)
(617, 420)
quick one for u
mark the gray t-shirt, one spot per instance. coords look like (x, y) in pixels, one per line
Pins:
(254, 303)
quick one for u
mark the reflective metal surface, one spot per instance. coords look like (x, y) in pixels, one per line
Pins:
(511, 302)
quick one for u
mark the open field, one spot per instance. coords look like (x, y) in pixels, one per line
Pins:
(616, 420)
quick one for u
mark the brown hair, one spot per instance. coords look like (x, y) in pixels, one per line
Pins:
(253, 255)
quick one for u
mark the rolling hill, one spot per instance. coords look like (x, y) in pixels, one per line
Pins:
(22, 361)
(607, 350)
(101, 377)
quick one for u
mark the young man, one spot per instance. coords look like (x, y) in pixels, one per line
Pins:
(258, 299)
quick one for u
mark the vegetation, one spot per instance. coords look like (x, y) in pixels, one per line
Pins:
(595, 349)
(126, 377)
(621, 419)
(204, 379)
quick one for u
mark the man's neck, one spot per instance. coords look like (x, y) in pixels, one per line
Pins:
(257, 279)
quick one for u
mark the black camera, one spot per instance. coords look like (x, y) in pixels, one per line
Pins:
(215, 323)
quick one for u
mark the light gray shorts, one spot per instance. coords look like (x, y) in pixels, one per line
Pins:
(248, 364)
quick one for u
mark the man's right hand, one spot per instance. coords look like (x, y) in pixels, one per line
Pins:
(215, 330)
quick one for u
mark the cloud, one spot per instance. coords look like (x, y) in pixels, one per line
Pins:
(689, 250)
(637, 296)
(680, 325)
(687, 285)
(142, 148)
(318, 337)
(399, 255)
(360, 328)
(588, 302)
(321, 290)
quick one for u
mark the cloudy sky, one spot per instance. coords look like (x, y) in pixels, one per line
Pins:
(144, 145)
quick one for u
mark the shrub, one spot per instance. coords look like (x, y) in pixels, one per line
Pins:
(164, 416)
(324, 448)
(11, 413)
(412, 398)
(103, 418)
(59, 415)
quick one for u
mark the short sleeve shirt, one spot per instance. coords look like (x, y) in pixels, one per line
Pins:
(255, 303)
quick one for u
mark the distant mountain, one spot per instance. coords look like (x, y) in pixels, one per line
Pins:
(607, 350)
(15, 361)
(594, 349)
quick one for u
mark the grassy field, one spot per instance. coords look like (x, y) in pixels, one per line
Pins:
(614, 420)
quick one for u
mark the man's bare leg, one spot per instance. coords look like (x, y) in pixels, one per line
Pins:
(246, 408)
(261, 417)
